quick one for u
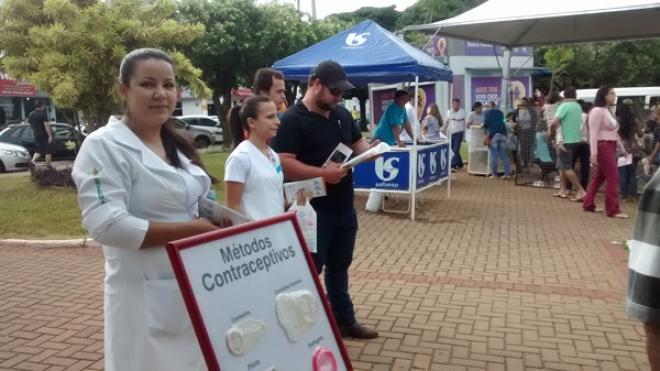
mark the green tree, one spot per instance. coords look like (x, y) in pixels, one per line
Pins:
(241, 37)
(386, 17)
(627, 63)
(428, 11)
(71, 49)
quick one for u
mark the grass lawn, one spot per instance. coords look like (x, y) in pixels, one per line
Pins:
(30, 212)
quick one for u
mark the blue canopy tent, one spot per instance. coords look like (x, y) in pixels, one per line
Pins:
(369, 54)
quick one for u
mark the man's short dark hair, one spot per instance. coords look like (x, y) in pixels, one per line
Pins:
(400, 93)
(263, 79)
(39, 104)
(570, 93)
(456, 100)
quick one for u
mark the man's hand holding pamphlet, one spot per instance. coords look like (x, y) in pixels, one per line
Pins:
(372, 152)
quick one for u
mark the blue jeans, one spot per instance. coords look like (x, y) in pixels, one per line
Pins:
(499, 146)
(628, 180)
(336, 232)
(456, 141)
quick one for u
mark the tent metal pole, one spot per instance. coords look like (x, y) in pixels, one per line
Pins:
(506, 103)
(413, 154)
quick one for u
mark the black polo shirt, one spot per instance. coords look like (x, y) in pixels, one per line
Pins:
(312, 137)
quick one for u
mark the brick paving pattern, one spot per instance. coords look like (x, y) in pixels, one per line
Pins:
(497, 278)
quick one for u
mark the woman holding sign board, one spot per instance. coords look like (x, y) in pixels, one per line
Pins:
(139, 183)
(253, 173)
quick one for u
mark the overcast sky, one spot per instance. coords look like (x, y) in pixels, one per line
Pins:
(327, 7)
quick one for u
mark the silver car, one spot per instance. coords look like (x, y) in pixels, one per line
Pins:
(205, 122)
(13, 157)
(201, 136)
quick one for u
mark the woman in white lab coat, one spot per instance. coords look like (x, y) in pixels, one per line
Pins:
(138, 185)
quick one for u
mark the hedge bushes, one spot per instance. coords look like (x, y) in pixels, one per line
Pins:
(48, 176)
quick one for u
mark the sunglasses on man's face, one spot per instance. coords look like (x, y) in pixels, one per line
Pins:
(335, 92)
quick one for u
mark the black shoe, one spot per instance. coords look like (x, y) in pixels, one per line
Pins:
(358, 331)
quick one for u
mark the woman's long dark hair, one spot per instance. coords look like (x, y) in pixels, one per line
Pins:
(601, 94)
(238, 117)
(172, 141)
(626, 121)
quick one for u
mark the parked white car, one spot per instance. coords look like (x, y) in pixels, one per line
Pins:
(207, 122)
(13, 157)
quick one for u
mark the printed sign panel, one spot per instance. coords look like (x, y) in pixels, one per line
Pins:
(432, 164)
(255, 301)
(391, 171)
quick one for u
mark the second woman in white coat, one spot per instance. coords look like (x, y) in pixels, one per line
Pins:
(253, 173)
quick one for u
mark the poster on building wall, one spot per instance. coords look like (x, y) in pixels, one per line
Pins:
(486, 89)
(382, 99)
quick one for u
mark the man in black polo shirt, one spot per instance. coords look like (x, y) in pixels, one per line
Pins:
(43, 135)
(309, 132)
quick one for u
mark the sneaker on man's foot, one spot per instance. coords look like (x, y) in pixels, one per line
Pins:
(358, 331)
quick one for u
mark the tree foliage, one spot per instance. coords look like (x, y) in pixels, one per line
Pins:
(627, 63)
(242, 36)
(386, 17)
(71, 49)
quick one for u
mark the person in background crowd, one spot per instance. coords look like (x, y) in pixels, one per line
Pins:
(310, 131)
(431, 126)
(499, 145)
(139, 183)
(456, 129)
(513, 131)
(43, 133)
(629, 132)
(393, 120)
(525, 116)
(582, 152)
(474, 118)
(542, 157)
(642, 301)
(412, 117)
(568, 118)
(604, 140)
(270, 83)
(253, 173)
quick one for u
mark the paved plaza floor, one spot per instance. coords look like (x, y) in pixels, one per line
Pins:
(497, 278)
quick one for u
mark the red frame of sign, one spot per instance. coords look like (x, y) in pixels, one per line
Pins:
(173, 251)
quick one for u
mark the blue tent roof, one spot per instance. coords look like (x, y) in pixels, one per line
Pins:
(368, 53)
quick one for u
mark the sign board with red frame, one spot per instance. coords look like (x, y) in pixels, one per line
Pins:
(255, 300)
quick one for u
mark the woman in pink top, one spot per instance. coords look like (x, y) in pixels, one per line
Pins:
(604, 140)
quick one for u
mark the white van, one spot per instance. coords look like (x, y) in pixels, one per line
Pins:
(643, 97)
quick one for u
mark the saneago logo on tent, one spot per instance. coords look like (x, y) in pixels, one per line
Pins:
(356, 39)
(386, 169)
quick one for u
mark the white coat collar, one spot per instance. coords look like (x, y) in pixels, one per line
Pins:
(124, 136)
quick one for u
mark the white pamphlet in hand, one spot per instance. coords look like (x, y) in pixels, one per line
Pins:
(314, 187)
(367, 155)
(340, 154)
(216, 213)
(624, 160)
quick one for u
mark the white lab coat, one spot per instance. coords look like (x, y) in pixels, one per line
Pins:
(121, 186)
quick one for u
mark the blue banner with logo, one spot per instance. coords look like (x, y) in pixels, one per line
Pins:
(432, 164)
(391, 171)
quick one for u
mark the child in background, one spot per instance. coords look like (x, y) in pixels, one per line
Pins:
(542, 156)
